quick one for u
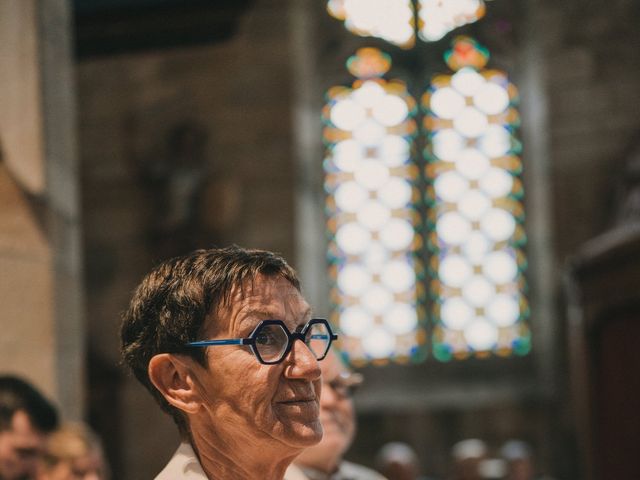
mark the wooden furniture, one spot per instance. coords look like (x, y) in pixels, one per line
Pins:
(603, 289)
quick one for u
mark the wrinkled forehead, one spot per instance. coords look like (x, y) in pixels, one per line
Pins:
(260, 298)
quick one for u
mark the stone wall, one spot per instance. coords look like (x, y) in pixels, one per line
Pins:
(593, 77)
(235, 98)
(41, 291)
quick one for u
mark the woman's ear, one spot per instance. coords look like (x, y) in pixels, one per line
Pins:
(173, 378)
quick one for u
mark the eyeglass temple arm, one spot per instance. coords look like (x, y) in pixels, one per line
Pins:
(227, 341)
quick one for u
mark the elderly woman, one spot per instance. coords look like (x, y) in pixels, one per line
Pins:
(213, 335)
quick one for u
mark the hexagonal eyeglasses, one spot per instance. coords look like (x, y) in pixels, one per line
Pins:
(271, 341)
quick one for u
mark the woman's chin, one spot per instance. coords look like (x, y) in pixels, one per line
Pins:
(305, 435)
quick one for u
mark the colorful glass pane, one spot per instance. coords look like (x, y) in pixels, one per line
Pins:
(436, 18)
(476, 237)
(370, 181)
(391, 20)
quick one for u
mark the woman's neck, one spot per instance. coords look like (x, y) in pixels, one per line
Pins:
(232, 458)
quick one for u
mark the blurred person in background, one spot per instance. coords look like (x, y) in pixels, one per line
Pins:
(398, 461)
(26, 418)
(467, 456)
(519, 458)
(325, 461)
(73, 452)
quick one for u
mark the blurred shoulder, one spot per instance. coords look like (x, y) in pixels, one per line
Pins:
(294, 473)
(358, 472)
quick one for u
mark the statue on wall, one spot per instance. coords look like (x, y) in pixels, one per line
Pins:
(627, 192)
(176, 179)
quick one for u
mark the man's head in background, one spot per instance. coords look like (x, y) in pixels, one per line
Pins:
(467, 455)
(398, 461)
(337, 415)
(519, 458)
(26, 417)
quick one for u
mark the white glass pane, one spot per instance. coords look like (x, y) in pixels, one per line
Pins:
(477, 291)
(497, 183)
(447, 144)
(446, 102)
(468, 8)
(467, 81)
(390, 110)
(347, 155)
(476, 247)
(347, 114)
(369, 133)
(498, 224)
(471, 163)
(397, 234)
(368, 94)
(454, 270)
(396, 193)
(363, 14)
(379, 343)
(373, 215)
(503, 310)
(375, 256)
(377, 299)
(450, 186)
(495, 142)
(398, 276)
(394, 150)
(398, 31)
(349, 196)
(433, 31)
(491, 98)
(452, 228)
(353, 279)
(352, 238)
(500, 267)
(481, 335)
(401, 319)
(355, 322)
(371, 174)
(474, 204)
(470, 122)
(455, 313)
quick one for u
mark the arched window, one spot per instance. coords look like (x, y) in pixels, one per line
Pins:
(371, 192)
(395, 20)
(472, 248)
(476, 235)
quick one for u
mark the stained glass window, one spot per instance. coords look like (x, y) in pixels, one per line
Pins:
(476, 235)
(436, 18)
(394, 20)
(370, 182)
(391, 20)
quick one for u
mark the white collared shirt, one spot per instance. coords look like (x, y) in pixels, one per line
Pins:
(346, 471)
(184, 465)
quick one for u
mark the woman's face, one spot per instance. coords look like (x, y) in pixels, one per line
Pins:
(87, 467)
(247, 402)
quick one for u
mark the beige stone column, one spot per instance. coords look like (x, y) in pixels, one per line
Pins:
(41, 327)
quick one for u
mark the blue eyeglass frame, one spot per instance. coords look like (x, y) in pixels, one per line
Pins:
(291, 337)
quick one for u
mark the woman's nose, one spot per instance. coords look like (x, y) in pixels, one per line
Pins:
(303, 363)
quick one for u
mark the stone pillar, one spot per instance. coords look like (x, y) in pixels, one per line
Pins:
(40, 275)
(311, 245)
